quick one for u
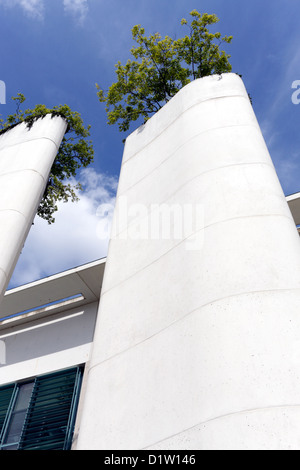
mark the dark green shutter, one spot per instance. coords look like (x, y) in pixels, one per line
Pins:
(5, 400)
(50, 417)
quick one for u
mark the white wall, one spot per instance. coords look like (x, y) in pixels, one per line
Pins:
(197, 339)
(26, 157)
(47, 344)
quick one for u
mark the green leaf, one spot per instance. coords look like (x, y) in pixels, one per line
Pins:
(74, 153)
(160, 67)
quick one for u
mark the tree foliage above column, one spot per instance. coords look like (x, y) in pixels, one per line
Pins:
(74, 153)
(161, 67)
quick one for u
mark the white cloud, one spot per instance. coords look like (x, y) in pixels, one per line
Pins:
(79, 235)
(78, 8)
(36, 8)
(33, 8)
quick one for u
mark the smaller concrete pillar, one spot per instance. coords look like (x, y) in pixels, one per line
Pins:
(26, 158)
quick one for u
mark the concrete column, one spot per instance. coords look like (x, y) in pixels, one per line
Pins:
(26, 157)
(198, 336)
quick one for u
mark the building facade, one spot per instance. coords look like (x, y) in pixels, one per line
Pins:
(190, 336)
(48, 332)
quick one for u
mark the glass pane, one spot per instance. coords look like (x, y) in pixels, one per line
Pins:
(24, 395)
(17, 419)
(5, 399)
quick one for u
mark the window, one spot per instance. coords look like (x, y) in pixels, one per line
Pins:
(39, 414)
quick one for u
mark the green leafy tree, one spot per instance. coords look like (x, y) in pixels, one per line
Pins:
(74, 153)
(161, 67)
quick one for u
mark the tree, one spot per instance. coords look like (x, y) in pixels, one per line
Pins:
(161, 67)
(75, 152)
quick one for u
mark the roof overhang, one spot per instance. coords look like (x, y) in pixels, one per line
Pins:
(75, 287)
(294, 204)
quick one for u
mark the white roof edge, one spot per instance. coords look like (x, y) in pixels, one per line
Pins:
(292, 197)
(56, 293)
(56, 276)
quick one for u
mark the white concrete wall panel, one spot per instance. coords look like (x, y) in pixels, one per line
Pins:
(47, 344)
(198, 335)
(26, 157)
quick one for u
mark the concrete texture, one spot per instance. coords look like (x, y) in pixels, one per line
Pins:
(198, 331)
(26, 157)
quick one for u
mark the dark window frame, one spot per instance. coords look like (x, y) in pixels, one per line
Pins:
(50, 416)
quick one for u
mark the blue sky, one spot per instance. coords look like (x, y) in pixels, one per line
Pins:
(54, 51)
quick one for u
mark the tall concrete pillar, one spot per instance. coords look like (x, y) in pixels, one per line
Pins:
(26, 157)
(197, 342)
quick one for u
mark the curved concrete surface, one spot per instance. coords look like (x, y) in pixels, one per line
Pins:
(198, 333)
(26, 157)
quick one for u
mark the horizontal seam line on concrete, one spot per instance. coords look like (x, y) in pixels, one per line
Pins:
(178, 320)
(202, 423)
(192, 179)
(13, 210)
(29, 140)
(179, 116)
(187, 238)
(21, 171)
(180, 147)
